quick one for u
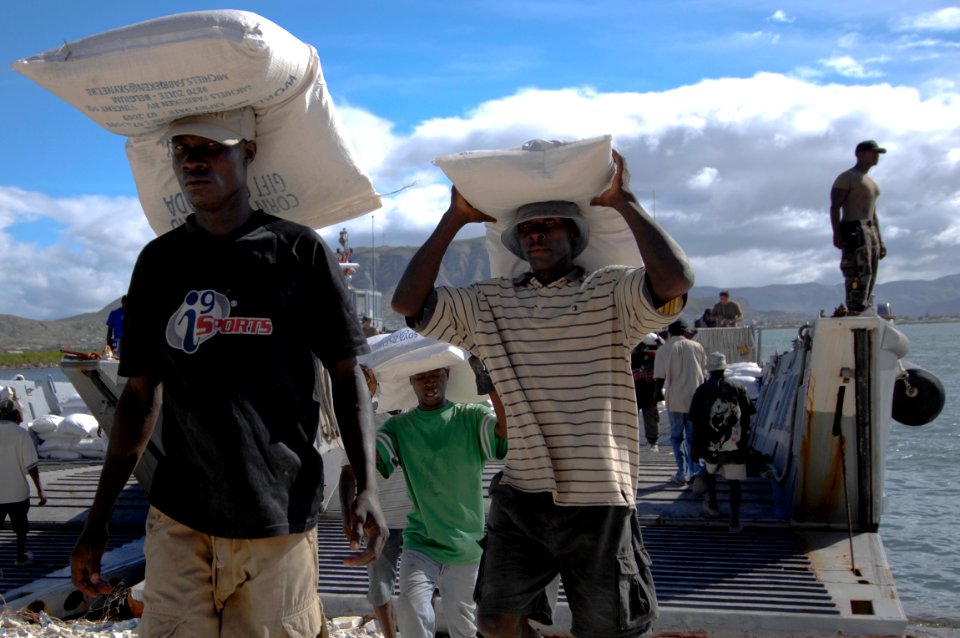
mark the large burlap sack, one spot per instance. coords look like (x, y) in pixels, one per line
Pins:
(499, 182)
(394, 358)
(135, 80)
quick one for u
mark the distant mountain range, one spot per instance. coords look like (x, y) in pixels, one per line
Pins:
(466, 261)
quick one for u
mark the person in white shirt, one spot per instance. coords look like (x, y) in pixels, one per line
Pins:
(679, 366)
(18, 459)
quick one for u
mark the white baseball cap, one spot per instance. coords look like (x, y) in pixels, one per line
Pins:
(225, 127)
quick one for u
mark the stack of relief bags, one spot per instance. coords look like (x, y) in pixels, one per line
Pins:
(75, 436)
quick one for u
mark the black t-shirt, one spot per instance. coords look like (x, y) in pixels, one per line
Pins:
(233, 326)
(642, 359)
(720, 412)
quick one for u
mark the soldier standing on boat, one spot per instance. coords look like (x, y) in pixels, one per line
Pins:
(556, 342)
(227, 316)
(856, 230)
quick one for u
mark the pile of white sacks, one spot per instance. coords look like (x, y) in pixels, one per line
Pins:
(748, 374)
(71, 437)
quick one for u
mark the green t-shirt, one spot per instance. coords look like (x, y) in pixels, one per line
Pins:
(442, 453)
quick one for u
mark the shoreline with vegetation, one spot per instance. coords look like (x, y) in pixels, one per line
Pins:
(38, 359)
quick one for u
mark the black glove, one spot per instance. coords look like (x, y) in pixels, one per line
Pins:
(484, 382)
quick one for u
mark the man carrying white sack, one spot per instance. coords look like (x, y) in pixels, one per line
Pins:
(442, 448)
(556, 342)
(226, 317)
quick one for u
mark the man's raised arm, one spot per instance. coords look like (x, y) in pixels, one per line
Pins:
(668, 272)
(418, 279)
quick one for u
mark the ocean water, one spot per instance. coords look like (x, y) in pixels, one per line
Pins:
(921, 521)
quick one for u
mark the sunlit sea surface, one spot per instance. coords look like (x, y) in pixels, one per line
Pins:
(921, 524)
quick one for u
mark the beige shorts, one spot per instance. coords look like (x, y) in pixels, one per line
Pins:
(729, 471)
(198, 585)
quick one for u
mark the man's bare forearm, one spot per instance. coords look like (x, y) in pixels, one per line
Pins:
(418, 279)
(352, 406)
(668, 271)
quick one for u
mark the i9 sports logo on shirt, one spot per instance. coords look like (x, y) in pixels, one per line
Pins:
(205, 313)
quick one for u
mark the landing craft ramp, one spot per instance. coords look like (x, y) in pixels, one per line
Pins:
(793, 571)
(769, 580)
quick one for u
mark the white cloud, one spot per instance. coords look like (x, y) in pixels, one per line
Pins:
(704, 178)
(83, 268)
(847, 66)
(746, 130)
(741, 170)
(849, 41)
(762, 37)
(925, 43)
(946, 19)
(781, 16)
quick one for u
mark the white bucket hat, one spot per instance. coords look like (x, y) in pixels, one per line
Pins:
(716, 361)
(564, 210)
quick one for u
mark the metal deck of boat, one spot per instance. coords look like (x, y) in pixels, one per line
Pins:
(769, 580)
(70, 486)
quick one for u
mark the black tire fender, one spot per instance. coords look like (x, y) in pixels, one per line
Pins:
(918, 397)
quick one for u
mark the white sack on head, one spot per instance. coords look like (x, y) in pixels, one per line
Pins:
(135, 80)
(138, 78)
(499, 182)
(396, 357)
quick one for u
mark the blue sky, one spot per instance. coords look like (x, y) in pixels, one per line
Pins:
(737, 114)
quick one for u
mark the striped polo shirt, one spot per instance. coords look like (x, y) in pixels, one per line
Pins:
(559, 356)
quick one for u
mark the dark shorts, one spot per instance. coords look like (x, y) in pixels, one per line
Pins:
(18, 516)
(382, 573)
(598, 552)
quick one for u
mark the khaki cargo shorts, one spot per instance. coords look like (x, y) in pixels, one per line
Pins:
(198, 585)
